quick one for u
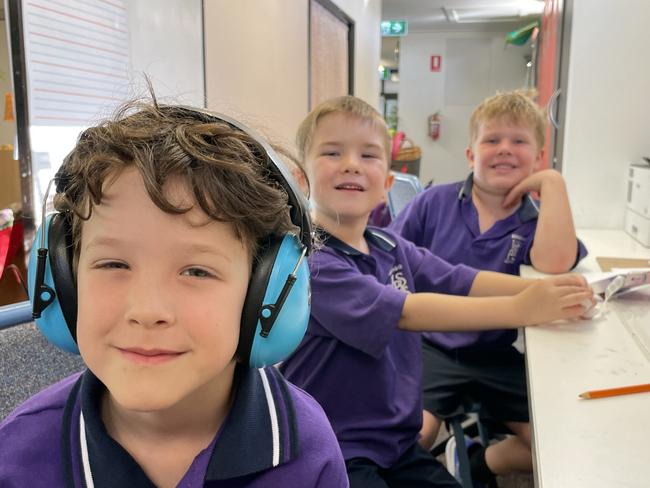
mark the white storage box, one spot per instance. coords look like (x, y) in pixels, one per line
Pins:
(638, 227)
(638, 190)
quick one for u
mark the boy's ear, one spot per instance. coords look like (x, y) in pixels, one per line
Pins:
(538, 160)
(469, 154)
(390, 178)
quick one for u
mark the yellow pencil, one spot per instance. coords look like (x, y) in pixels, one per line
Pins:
(623, 390)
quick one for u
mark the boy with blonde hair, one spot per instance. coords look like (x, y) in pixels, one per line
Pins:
(491, 222)
(372, 289)
(175, 267)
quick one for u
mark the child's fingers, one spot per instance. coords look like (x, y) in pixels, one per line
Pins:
(576, 298)
(512, 197)
(590, 309)
(573, 312)
(570, 279)
(569, 290)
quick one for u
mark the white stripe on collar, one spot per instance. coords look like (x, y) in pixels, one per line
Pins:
(388, 243)
(275, 430)
(85, 459)
(533, 202)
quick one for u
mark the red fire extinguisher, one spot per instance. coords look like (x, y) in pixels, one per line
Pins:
(434, 126)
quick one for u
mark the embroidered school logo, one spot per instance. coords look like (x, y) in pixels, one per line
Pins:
(397, 278)
(515, 245)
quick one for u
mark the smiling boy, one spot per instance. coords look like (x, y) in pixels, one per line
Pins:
(490, 221)
(371, 290)
(175, 216)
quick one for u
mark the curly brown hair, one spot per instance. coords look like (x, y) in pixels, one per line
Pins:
(226, 169)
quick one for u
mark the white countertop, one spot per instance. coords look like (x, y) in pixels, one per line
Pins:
(591, 443)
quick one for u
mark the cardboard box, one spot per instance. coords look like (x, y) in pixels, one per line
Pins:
(606, 263)
(10, 195)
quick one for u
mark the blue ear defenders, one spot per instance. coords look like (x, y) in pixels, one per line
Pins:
(277, 304)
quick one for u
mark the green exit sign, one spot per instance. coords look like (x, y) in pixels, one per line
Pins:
(394, 28)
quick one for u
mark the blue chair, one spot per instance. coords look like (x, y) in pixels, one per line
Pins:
(458, 431)
(459, 426)
(405, 187)
(15, 314)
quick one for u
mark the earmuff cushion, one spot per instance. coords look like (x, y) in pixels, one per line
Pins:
(57, 325)
(293, 317)
(61, 253)
(257, 285)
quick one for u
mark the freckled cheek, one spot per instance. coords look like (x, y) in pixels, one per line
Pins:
(484, 155)
(98, 309)
(321, 187)
(214, 323)
(321, 178)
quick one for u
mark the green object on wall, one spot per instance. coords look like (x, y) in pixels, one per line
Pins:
(519, 37)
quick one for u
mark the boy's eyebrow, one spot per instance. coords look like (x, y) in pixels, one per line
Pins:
(329, 143)
(102, 241)
(339, 143)
(197, 248)
(192, 248)
(373, 145)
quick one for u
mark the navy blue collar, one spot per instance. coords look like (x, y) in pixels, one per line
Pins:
(260, 432)
(528, 210)
(373, 236)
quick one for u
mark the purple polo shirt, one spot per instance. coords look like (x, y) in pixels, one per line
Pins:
(363, 370)
(274, 435)
(444, 220)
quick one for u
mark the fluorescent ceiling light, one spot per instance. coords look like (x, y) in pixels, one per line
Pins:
(495, 13)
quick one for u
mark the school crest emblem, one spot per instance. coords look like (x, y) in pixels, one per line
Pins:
(397, 278)
(515, 246)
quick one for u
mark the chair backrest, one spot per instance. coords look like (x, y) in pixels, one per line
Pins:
(405, 187)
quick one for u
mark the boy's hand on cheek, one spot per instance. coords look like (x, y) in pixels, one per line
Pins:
(537, 182)
(558, 297)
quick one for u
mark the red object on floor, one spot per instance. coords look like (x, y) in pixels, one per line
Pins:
(12, 263)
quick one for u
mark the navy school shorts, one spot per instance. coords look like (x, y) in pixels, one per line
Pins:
(415, 468)
(496, 379)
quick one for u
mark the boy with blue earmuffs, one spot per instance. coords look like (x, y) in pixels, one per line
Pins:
(175, 267)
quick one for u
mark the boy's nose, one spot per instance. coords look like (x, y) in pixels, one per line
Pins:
(350, 164)
(505, 147)
(149, 305)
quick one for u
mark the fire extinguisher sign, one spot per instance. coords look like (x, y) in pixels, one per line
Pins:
(436, 62)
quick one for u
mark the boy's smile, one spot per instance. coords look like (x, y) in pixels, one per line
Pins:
(160, 298)
(149, 356)
(347, 166)
(502, 155)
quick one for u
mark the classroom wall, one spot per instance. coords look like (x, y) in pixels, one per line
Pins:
(474, 66)
(608, 107)
(367, 17)
(256, 59)
(173, 62)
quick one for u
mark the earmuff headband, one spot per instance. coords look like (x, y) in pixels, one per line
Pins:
(299, 207)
